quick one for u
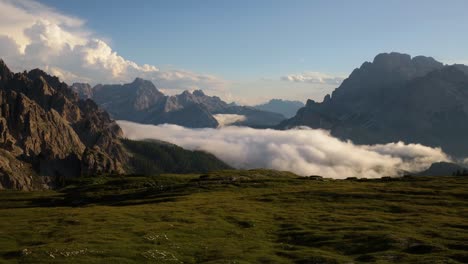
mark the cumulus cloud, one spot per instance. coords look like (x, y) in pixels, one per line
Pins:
(304, 151)
(313, 77)
(228, 119)
(33, 35)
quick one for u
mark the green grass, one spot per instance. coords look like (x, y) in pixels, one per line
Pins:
(238, 217)
(152, 157)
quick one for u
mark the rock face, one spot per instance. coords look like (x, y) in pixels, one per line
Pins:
(140, 101)
(396, 97)
(47, 133)
(284, 107)
(84, 90)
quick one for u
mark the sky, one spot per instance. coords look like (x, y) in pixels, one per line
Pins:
(243, 51)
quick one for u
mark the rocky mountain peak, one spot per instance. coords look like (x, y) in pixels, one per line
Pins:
(47, 133)
(395, 61)
(5, 72)
(396, 98)
(83, 90)
(138, 82)
(310, 103)
(391, 60)
(198, 93)
(374, 79)
(426, 62)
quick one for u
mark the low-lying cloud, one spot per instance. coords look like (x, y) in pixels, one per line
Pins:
(228, 119)
(303, 151)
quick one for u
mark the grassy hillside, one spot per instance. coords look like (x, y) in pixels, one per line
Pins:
(151, 157)
(238, 217)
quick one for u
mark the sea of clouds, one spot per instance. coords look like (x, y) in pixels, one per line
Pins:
(304, 151)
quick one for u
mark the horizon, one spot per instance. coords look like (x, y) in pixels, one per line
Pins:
(243, 52)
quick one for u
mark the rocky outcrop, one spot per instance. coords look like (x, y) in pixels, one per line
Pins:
(396, 97)
(83, 90)
(47, 133)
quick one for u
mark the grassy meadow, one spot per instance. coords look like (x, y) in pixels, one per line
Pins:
(256, 216)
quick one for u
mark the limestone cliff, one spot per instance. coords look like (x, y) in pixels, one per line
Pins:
(48, 133)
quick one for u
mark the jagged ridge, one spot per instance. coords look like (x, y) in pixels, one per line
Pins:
(45, 130)
(393, 98)
(140, 101)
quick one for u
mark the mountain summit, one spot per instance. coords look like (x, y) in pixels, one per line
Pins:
(393, 98)
(46, 130)
(140, 101)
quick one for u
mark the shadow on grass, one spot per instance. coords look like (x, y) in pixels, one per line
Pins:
(122, 191)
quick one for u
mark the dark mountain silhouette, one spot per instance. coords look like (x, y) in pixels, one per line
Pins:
(284, 107)
(140, 101)
(396, 98)
(443, 169)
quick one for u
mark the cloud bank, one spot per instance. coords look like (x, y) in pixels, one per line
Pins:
(313, 77)
(303, 151)
(33, 35)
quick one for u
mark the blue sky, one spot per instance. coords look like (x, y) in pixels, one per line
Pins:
(253, 44)
(239, 39)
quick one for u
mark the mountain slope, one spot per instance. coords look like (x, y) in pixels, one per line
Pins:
(45, 130)
(396, 97)
(442, 169)
(140, 101)
(284, 107)
(153, 157)
(47, 134)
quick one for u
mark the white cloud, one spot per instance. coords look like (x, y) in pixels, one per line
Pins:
(33, 35)
(304, 151)
(187, 80)
(228, 119)
(18, 15)
(313, 77)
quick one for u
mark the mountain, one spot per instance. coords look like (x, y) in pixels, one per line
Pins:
(45, 130)
(442, 169)
(84, 90)
(48, 134)
(140, 101)
(393, 98)
(284, 107)
(152, 157)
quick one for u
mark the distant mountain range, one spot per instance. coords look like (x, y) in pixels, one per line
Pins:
(140, 101)
(396, 98)
(284, 107)
(48, 134)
